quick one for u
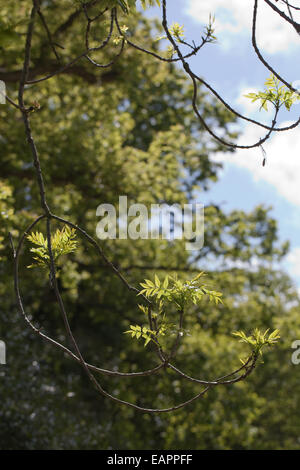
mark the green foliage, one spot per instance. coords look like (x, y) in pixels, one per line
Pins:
(137, 332)
(177, 292)
(178, 34)
(146, 3)
(274, 94)
(258, 340)
(162, 326)
(63, 242)
(177, 31)
(210, 30)
(120, 134)
(8, 31)
(127, 5)
(172, 291)
(6, 211)
(168, 293)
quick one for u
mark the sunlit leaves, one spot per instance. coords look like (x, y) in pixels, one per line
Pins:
(165, 294)
(127, 5)
(258, 340)
(181, 293)
(177, 32)
(6, 211)
(137, 332)
(274, 94)
(99, 148)
(62, 242)
(148, 3)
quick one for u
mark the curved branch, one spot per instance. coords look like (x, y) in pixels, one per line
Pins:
(259, 55)
(283, 15)
(77, 356)
(195, 93)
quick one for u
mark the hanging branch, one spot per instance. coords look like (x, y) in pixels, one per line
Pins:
(152, 333)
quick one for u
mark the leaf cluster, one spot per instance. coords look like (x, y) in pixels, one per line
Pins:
(274, 94)
(128, 5)
(180, 293)
(62, 242)
(258, 340)
(167, 293)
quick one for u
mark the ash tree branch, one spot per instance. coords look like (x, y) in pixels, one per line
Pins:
(24, 78)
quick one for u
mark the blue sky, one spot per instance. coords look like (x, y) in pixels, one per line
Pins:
(233, 69)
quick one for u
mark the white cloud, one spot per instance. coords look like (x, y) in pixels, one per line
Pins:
(235, 17)
(282, 169)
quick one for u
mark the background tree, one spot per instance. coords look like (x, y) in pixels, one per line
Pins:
(128, 131)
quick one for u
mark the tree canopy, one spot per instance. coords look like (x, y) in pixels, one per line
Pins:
(130, 129)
